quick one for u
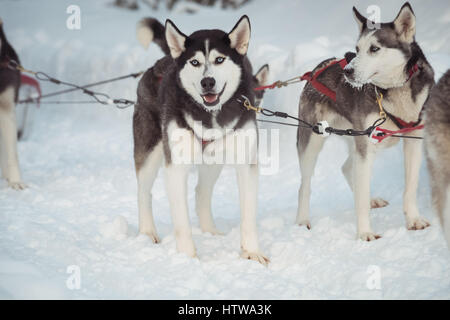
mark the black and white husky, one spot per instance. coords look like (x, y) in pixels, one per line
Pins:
(384, 61)
(192, 114)
(9, 90)
(437, 146)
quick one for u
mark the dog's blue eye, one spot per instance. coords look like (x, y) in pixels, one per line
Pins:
(195, 63)
(374, 49)
(219, 60)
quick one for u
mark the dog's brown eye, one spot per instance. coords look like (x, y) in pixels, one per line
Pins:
(374, 49)
(357, 49)
(219, 60)
(195, 63)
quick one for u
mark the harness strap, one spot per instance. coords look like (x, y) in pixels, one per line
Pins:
(24, 79)
(401, 124)
(319, 86)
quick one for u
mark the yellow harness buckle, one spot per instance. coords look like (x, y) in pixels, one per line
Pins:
(380, 104)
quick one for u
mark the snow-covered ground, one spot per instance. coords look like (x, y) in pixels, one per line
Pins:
(81, 210)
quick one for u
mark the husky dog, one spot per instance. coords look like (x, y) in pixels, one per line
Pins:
(437, 146)
(9, 90)
(198, 89)
(383, 62)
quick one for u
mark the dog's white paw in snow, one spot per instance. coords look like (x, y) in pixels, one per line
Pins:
(17, 185)
(259, 257)
(417, 224)
(378, 203)
(369, 236)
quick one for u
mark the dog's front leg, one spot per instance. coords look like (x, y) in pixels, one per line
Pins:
(176, 185)
(183, 149)
(413, 158)
(247, 176)
(361, 184)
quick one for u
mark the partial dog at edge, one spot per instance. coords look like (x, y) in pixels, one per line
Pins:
(384, 59)
(437, 147)
(205, 75)
(9, 90)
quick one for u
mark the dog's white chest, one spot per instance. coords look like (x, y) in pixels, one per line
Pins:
(401, 103)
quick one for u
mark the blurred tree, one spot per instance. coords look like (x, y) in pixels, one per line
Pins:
(128, 4)
(170, 4)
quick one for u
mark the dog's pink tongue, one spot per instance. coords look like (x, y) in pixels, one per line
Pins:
(210, 98)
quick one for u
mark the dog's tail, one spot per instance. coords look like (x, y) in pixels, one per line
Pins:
(151, 30)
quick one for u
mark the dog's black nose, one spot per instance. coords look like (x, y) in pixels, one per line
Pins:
(208, 83)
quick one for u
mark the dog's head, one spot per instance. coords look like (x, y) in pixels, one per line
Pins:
(260, 79)
(383, 50)
(210, 62)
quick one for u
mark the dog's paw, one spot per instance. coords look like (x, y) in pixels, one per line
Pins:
(378, 203)
(417, 224)
(259, 257)
(17, 185)
(369, 236)
(305, 223)
(151, 233)
(187, 247)
(213, 231)
(153, 236)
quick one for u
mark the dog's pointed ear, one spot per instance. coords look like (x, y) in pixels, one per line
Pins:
(405, 23)
(176, 40)
(240, 35)
(262, 76)
(360, 19)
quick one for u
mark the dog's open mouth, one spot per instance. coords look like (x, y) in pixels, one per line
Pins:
(211, 98)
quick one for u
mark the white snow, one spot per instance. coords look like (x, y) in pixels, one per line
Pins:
(81, 208)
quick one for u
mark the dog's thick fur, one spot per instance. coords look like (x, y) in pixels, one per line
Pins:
(9, 90)
(437, 146)
(167, 107)
(384, 57)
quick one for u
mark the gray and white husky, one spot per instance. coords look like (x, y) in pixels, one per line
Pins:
(9, 90)
(437, 146)
(189, 102)
(384, 60)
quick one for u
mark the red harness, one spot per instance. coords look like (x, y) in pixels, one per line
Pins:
(24, 79)
(312, 78)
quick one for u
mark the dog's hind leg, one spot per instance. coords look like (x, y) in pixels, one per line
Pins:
(446, 215)
(413, 159)
(347, 170)
(207, 177)
(309, 146)
(146, 175)
(8, 135)
(3, 159)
